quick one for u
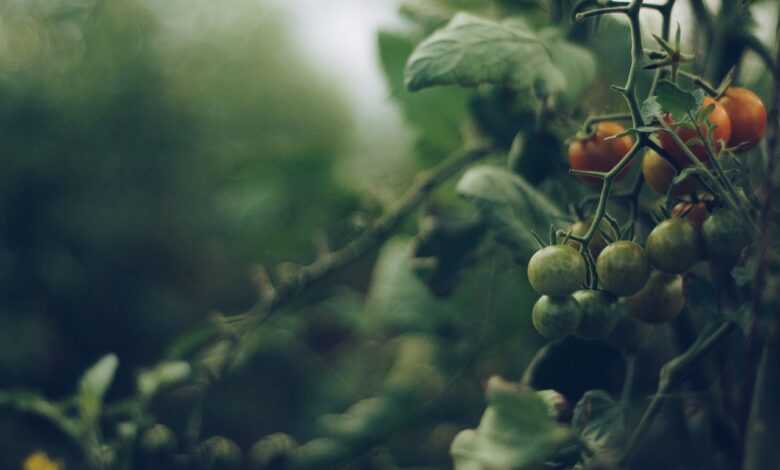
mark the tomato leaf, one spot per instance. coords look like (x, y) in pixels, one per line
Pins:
(436, 115)
(677, 101)
(470, 51)
(512, 206)
(516, 431)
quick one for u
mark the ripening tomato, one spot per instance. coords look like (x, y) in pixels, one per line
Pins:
(673, 246)
(659, 175)
(720, 135)
(597, 154)
(622, 268)
(557, 270)
(695, 213)
(748, 117)
(660, 300)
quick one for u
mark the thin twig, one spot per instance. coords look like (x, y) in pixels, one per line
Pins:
(308, 276)
(672, 374)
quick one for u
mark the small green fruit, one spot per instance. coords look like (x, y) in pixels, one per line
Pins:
(557, 270)
(599, 315)
(556, 317)
(622, 268)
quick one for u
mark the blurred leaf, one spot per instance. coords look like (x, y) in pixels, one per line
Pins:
(163, 375)
(470, 51)
(320, 453)
(426, 14)
(515, 432)
(415, 372)
(511, 204)
(398, 300)
(365, 420)
(94, 385)
(30, 402)
(574, 66)
(435, 116)
(599, 420)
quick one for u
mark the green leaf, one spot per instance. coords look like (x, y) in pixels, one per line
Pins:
(675, 100)
(94, 385)
(398, 300)
(429, 16)
(573, 67)
(511, 205)
(435, 115)
(599, 420)
(515, 432)
(470, 51)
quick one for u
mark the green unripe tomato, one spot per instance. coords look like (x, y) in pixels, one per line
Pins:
(661, 300)
(556, 317)
(673, 246)
(622, 268)
(599, 315)
(724, 235)
(218, 453)
(557, 270)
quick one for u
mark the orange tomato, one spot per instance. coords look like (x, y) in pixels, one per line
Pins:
(597, 154)
(748, 117)
(659, 175)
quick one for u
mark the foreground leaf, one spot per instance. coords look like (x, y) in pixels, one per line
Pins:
(94, 385)
(511, 205)
(599, 420)
(470, 51)
(516, 432)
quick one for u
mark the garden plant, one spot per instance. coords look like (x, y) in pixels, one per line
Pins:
(627, 173)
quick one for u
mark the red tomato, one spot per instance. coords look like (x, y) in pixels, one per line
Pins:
(722, 133)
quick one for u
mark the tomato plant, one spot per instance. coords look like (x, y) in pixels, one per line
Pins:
(137, 190)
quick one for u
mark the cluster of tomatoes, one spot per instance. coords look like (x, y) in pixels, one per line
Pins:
(644, 282)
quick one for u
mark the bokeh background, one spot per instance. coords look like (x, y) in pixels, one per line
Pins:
(155, 153)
